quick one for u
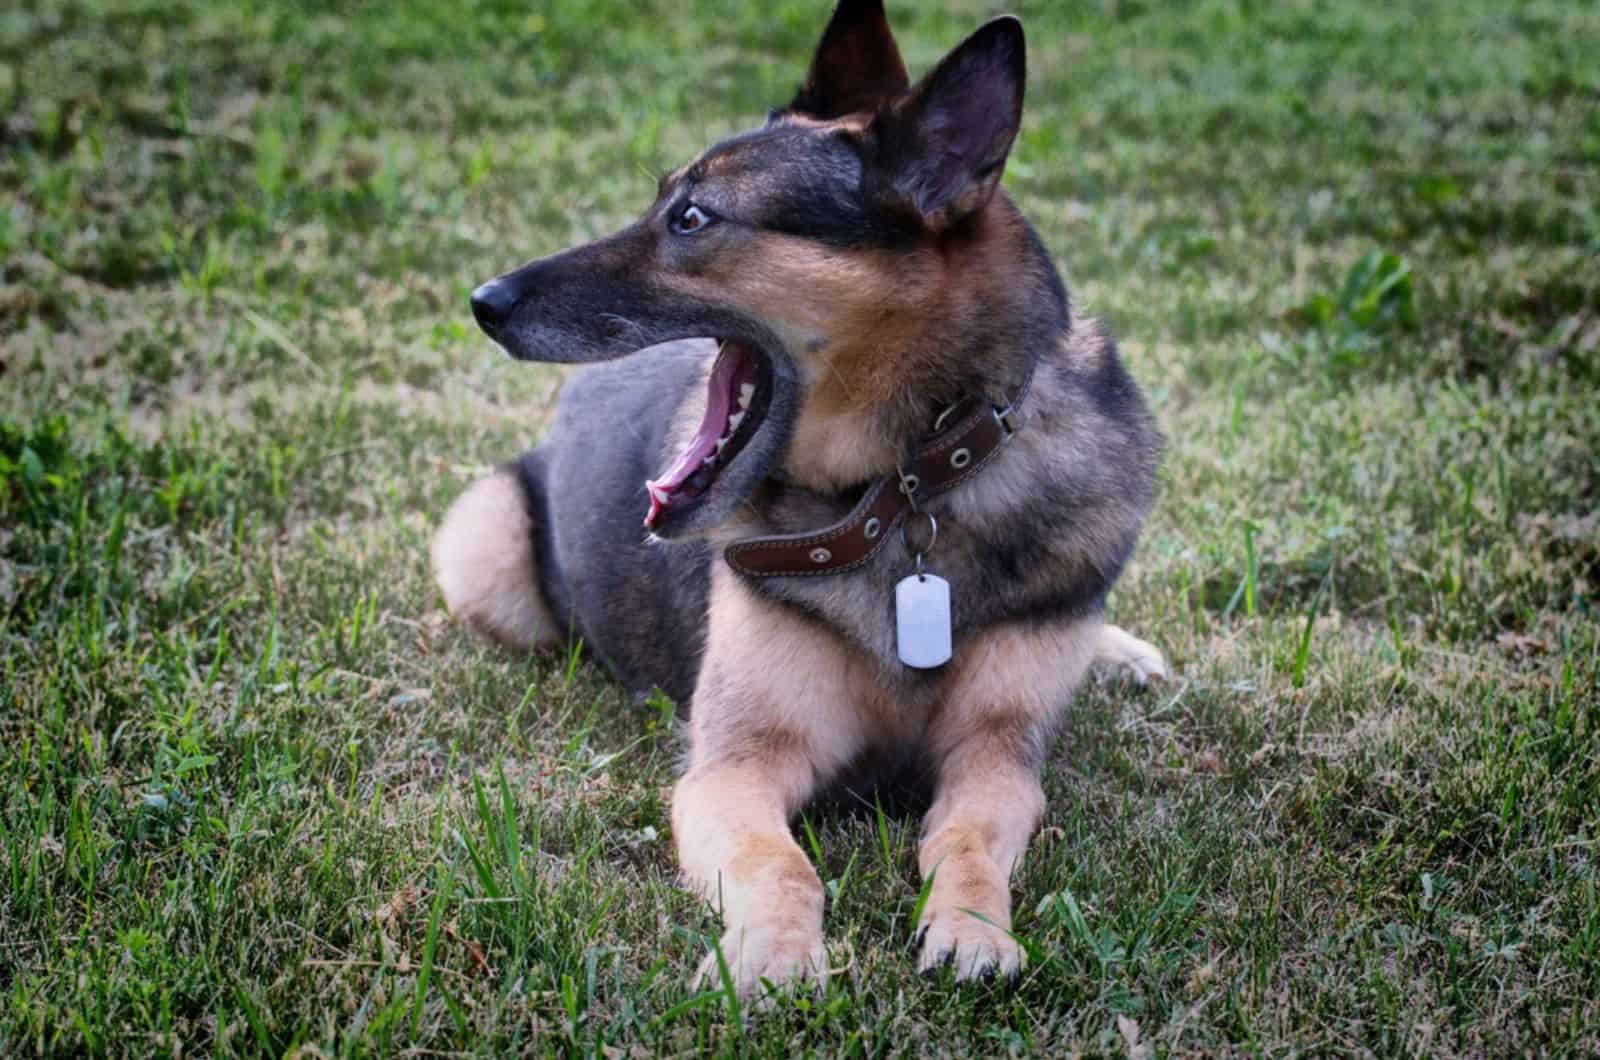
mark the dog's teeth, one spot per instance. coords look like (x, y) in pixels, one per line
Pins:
(746, 392)
(710, 461)
(722, 442)
(661, 496)
(733, 423)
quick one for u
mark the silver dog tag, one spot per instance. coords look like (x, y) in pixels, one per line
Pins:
(922, 620)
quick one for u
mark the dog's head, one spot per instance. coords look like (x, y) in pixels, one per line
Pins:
(818, 250)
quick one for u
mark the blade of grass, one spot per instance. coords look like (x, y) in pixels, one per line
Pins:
(430, 945)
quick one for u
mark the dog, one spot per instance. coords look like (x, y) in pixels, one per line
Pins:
(850, 481)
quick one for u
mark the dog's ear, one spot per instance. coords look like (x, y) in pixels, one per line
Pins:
(857, 65)
(941, 151)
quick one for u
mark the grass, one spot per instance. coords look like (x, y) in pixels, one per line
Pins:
(257, 796)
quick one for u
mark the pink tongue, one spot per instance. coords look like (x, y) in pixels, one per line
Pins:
(719, 398)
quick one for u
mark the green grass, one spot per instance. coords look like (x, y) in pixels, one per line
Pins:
(257, 794)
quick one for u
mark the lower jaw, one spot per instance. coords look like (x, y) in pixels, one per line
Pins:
(739, 393)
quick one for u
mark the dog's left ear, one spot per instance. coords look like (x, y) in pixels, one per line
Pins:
(941, 152)
(857, 65)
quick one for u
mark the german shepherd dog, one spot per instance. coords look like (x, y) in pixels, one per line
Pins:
(851, 374)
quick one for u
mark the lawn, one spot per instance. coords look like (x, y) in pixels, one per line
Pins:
(258, 795)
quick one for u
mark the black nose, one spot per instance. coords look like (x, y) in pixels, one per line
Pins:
(492, 304)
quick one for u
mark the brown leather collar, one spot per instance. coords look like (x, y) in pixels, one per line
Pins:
(952, 454)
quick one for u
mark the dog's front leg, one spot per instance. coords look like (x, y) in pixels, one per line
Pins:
(990, 739)
(986, 809)
(731, 820)
(774, 715)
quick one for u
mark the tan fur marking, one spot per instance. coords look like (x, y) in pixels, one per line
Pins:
(1139, 659)
(987, 741)
(774, 710)
(860, 322)
(483, 562)
(781, 864)
(854, 124)
(1013, 678)
(731, 826)
(781, 703)
(848, 317)
(778, 683)
(900, 326)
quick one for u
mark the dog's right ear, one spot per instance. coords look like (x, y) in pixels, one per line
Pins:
(857, 65)
(941, 150)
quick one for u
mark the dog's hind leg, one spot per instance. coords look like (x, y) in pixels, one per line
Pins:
(1137, 658)
(483, 560)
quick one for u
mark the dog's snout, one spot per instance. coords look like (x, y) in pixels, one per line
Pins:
(492, 304)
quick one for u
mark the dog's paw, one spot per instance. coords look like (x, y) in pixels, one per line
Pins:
(1139, 660)
(776, 958)
(977, 948)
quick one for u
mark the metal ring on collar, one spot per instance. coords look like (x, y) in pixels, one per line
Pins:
(933, 533)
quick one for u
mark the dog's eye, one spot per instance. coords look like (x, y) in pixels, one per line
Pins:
(691, 219)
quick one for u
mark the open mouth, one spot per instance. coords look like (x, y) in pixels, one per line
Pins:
(737, 396)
